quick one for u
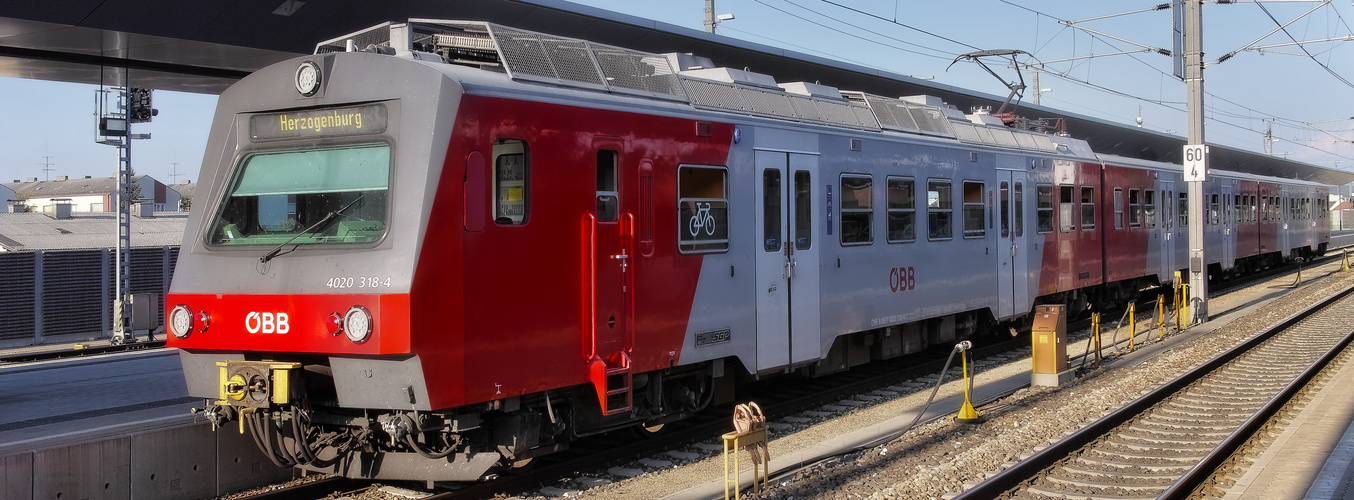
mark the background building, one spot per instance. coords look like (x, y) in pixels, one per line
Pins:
(89, 194)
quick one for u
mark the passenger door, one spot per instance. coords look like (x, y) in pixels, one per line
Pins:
(1167, 204)
(787, 259)
(1013, 266)
(608, 235)
(1227, 221)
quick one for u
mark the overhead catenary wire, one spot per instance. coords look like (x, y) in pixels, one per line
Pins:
(1218, 113)
(1283, 27)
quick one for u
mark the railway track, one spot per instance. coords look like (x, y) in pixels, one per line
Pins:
(1169, 442)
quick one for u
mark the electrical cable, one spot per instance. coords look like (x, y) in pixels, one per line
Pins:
(1304, 49)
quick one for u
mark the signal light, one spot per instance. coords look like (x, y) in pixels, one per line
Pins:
(334, 323)
(203, 321)
(139, 105)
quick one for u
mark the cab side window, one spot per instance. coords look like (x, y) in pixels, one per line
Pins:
(511, 183)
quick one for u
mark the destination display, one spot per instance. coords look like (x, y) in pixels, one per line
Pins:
(332, 122)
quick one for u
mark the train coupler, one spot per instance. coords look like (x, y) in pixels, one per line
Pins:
(258, 384)
(217, 415)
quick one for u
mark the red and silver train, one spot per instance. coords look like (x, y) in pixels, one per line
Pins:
(467, 245)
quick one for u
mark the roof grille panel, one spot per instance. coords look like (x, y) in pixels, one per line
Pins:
(1026, 140)
(768, 102)
(637, 71)
(865, 116)
(532, 56)
(805, 107)
(838, 112)
(930, 119)
(713, 94)
(1004, 137)
(965, 132)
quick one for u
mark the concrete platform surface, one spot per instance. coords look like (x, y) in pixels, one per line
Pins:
(1311, 458)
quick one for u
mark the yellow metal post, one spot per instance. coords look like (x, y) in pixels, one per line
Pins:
(967, 413)
(1183, 309)
(1132, 326)
(1095, 331)
(1161, 316)
(1344, 260)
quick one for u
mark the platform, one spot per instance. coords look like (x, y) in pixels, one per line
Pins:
(1313, 459)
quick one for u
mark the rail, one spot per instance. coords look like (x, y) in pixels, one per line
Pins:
(1032, 466)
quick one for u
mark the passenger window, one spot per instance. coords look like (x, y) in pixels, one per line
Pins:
(1183, 209)
(940, 210)
(902, 210)
(1213, 209)
(608, 205)
(1167, 217)
(511, 182)
(771, 211)
(803, 210)
(1065, 204)
(1087, 207)
(974, 210)
(702, 209)
(1150, 207)
(1134, 209)
(1043, 208)
(1005, 204)
(1118, 208)
(857, 209)
(1019, 209)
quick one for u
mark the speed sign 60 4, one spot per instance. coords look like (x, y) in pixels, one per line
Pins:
(1195, 166)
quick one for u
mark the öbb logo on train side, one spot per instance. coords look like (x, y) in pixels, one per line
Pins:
(257, 322)
(902, 279)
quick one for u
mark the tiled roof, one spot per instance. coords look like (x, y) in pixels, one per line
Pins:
(69, 187)
(183, 189)
(37, 231)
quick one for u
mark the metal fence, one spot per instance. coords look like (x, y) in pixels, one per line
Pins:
(1342, 220)
(62, 292)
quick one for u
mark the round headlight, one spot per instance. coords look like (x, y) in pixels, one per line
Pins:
(204, 321)
(181, 321)
(357, 324)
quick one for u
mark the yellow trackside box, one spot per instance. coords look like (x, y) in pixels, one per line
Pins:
(1049, 335)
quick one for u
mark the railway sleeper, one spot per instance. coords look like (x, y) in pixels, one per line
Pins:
(1111, 462)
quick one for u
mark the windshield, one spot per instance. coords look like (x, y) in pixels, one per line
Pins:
(277, 195)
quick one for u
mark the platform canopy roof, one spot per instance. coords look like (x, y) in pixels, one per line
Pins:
(205, 46)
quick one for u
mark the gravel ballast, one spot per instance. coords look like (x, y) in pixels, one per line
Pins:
(939, 458)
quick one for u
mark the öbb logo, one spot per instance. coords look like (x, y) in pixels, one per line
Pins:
(257, 322)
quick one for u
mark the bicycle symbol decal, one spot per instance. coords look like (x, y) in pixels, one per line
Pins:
(702, 219)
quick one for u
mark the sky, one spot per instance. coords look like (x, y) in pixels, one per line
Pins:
(1301, 90)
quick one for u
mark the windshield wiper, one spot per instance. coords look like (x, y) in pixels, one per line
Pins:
(317, 226)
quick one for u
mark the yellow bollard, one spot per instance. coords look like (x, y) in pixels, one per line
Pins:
(967, 413)
(1132, 326)
(1344, 260)
(1095, 330)
(1182, 310)
(1161, 316)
